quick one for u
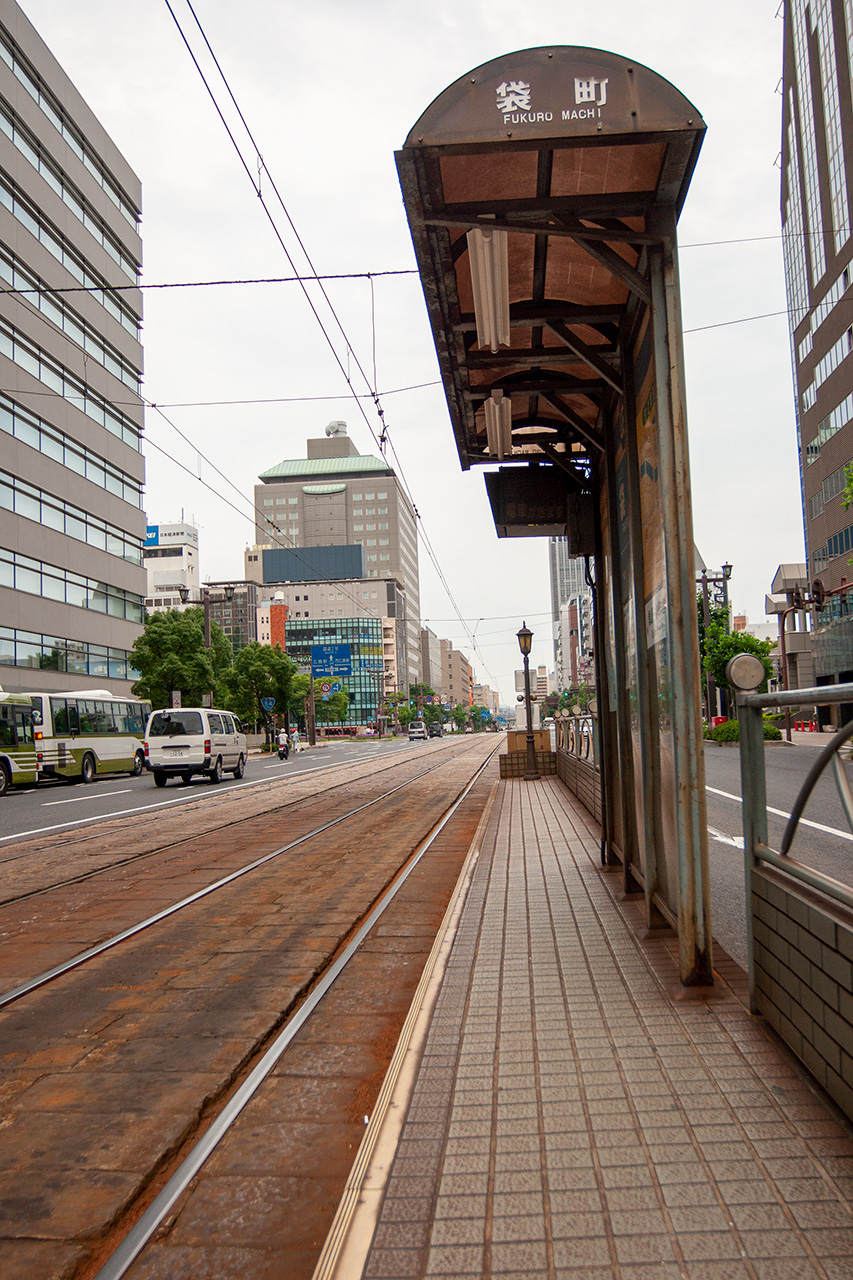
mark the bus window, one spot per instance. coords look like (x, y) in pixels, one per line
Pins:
(23, 725)
(85, 712)
(59, 712)
(7, 727)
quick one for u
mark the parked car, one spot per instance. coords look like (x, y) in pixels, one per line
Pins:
(436, 729)
(417, 729)
(182, 741)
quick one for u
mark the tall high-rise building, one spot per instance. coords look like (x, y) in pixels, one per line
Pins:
(568, 582)
(337, 497)
(71, 470)
(817, 155)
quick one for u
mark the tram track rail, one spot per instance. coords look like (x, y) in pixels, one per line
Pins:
(68, 847)
(350, 879)
(90, 953)
(143, 1230)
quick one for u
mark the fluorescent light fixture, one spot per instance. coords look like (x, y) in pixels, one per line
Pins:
(487, 255)
(498, 409)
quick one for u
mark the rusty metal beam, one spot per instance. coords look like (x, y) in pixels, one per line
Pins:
(583, 428)
(547, 228)
(610, 259)
(588, 354)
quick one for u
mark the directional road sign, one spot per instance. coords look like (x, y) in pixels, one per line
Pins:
(331, 660)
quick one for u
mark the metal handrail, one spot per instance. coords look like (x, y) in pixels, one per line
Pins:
(754, 788)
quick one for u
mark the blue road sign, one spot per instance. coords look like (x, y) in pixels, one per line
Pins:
(325, 697)
(336, 687)
(331, 660)
(267, 703)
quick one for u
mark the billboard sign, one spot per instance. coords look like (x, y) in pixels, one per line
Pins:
(331, 660)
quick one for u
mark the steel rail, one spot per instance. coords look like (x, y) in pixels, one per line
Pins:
(40, 980)
(161, 848)
(134, 1242)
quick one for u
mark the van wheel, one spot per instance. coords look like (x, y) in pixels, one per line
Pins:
(138, 765)
(215, 774)
(87, 768)
(4, 779)
(159, 778)
(241, 768)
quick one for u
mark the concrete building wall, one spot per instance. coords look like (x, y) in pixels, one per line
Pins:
(340, 497)
(817, 155)
(71, 470)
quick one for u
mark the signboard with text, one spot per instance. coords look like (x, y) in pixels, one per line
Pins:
(331, 660)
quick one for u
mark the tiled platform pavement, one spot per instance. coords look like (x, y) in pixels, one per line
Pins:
(573, 1118)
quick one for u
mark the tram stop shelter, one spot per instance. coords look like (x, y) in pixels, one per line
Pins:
(542, 191)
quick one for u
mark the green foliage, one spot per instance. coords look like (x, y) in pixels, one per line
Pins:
(459, 715)
(729, 731)
(171, 658)
(259, 671)
(335, 710)
(406, 714)
(722, 646)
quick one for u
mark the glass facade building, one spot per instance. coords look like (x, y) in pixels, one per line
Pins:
(71, 470)
(817, 141)
(364, 637)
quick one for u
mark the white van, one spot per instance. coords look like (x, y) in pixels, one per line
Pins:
(181, 741)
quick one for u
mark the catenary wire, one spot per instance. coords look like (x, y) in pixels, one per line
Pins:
(381, 441)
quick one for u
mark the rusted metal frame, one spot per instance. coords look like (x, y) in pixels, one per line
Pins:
(438, 280)
(625, 204)
(588, 354)
(608, 756)
(573, 230)
(524, 356)
(630, 860)
(577, 482)
(611, 260)
(580, 425)
(544, 169)
(694, 908)
(546, 381)
(647, 720)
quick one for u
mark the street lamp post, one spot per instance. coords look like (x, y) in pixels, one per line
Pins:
(525, 640)
(722, 580)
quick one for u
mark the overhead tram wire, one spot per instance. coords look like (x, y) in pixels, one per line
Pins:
(383, 438)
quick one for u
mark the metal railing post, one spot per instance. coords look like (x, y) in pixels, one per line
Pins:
(754, 792)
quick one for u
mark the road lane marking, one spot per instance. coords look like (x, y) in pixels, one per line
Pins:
(780, 813)
(47, 804)
(720, 836)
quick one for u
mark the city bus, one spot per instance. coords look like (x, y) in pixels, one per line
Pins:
(82, 734)
(18, 760)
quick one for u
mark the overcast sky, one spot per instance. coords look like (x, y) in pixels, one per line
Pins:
(330, 89)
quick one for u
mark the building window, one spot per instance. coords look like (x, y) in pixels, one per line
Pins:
(357, 511)
(358, 528)
(382, 496)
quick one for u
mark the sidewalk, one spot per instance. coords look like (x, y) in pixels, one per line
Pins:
(574, 1113)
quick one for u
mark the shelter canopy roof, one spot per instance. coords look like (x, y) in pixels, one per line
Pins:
(531, 186)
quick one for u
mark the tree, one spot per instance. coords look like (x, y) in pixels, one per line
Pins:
(459, 715)
(722, 646)
(171, 658)
(718, 616)
(334, 710)
(260, 671)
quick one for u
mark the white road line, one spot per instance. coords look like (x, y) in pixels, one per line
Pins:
(780, 813)
(720, 836)
(106, 795)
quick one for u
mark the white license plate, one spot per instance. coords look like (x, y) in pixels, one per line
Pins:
(174, 751)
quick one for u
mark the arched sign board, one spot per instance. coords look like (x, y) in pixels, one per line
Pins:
(542, 191)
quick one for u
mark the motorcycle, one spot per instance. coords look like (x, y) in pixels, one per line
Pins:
(283, 751)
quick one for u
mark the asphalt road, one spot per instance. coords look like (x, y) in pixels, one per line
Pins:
(54, 805)
(823, 840)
